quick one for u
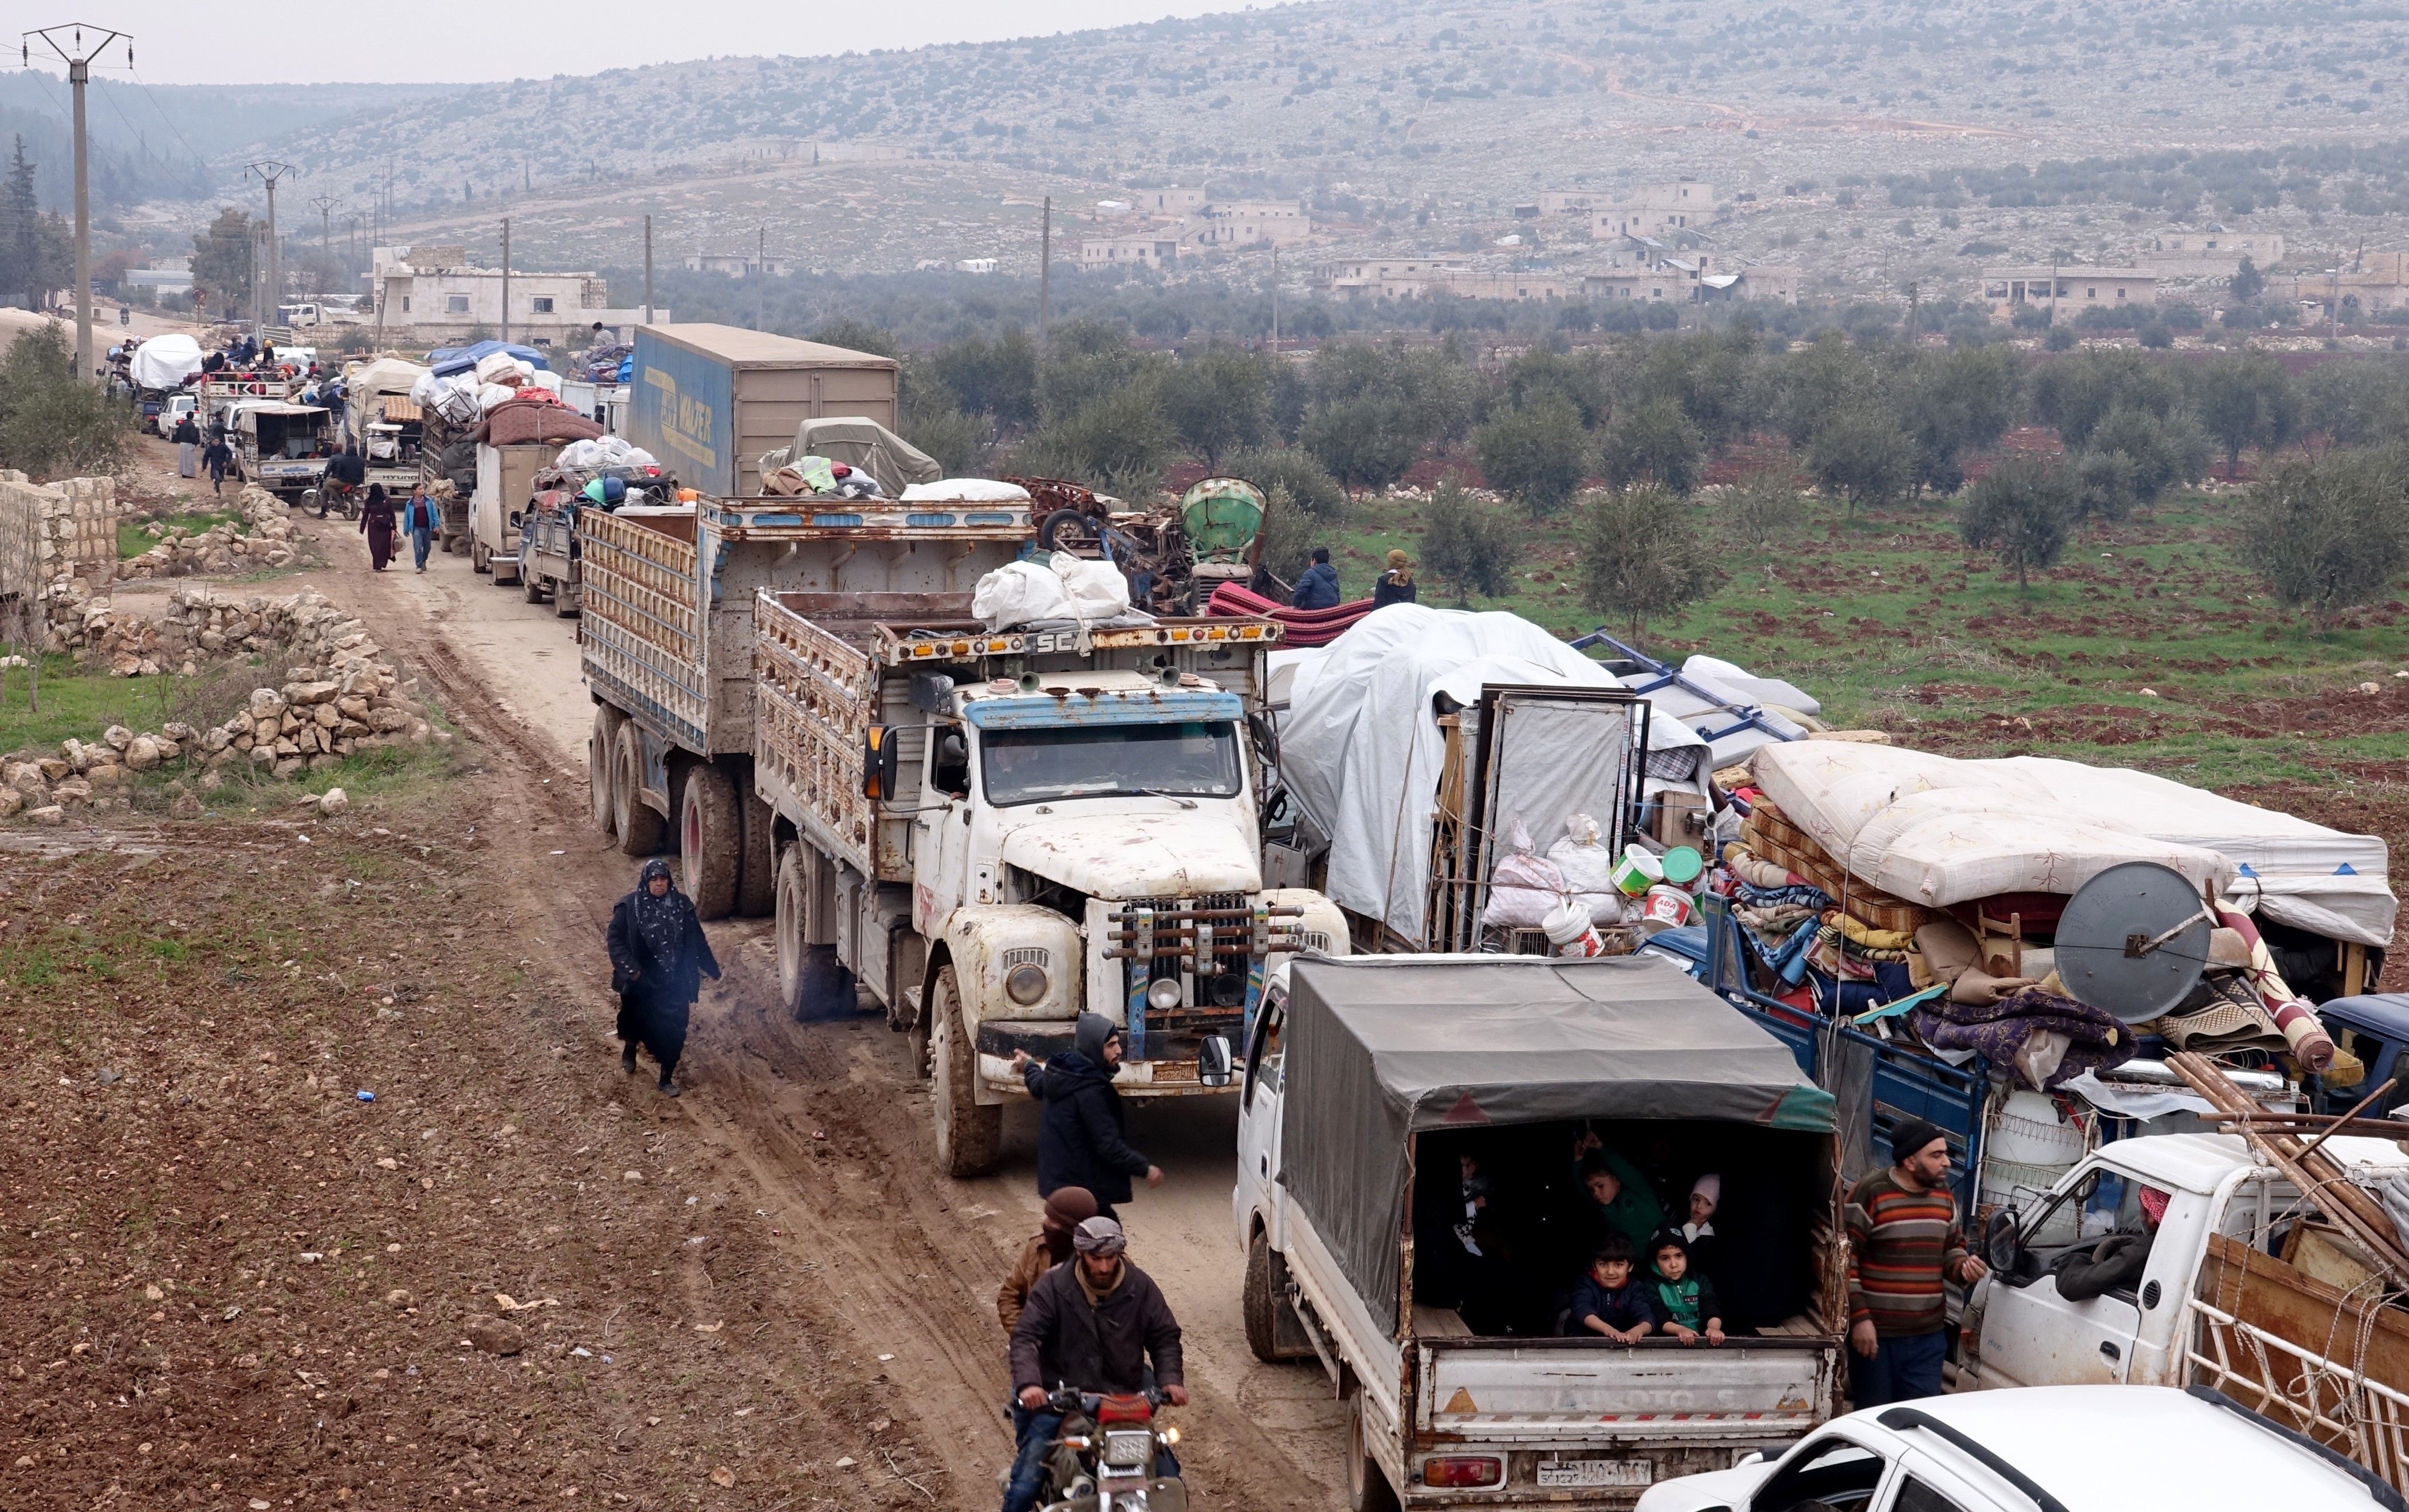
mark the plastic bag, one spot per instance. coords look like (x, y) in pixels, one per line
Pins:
(1096, 590)
(1017, 592)
(1588, 869)
(1524, 887)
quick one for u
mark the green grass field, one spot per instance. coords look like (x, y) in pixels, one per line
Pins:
(134, 537)
(2151, 644)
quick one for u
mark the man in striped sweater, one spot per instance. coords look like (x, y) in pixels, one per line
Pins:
(1904, 1241)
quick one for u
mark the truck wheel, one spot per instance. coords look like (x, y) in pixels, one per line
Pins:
(756, 874)
(709, 840)
(478, 560)
(788, 929)
(637, 827)
(967, 1133)
(1367, 1485)
(532, 587)
(564, 600)
(600, 762)
(1260, 1299)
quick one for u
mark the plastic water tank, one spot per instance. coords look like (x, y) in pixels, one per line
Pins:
(2029, 1149)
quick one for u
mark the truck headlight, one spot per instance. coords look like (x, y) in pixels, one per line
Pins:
(1025, 984)
(1163, 995)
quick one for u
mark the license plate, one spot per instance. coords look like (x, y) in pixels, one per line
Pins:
(1596, 1473)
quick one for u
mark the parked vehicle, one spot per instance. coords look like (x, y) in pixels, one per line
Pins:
(2072, 1449)
(707, 401)
(505, 482)
(605, 403)
(2247, 1287)
(1375, 1086)
(172, 408)
(550, 556)
(989, 831)
(280, 446)
(1104, 1456)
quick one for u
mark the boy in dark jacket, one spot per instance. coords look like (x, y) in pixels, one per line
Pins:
(1608, 1300)
(1082, 1138)
(1316, 587)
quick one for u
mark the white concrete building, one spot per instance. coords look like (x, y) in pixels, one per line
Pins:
(438, 296)
(2068, 290)
(1129, 251)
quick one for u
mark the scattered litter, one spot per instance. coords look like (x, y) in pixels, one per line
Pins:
(230, 1315)
(2149, 693)
(503, 1301)
(722, 1476)
(365, 1095)
(845, 1463)
(709, 1328)
(582, 1352)
(883, 1359)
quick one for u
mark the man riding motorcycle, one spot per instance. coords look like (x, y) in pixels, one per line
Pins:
(1091, 1325)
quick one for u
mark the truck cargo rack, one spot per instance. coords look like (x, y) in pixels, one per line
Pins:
(770, 517)
(899, 644)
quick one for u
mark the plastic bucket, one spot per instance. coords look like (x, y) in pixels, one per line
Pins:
(1683, 865)
(1637, 870)
(1667, 908)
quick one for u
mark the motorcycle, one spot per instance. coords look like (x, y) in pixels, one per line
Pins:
(1103, 1459)
(333, 499)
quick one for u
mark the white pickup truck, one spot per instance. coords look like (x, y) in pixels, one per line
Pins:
(1373, 1083)
(2246, 1288)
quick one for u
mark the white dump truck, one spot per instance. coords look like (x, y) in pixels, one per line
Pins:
(992, 831)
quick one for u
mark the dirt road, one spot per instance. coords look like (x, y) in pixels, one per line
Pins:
(824, 1126)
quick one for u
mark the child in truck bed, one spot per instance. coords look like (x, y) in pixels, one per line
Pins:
(1610, 1300)
(1684, 1301)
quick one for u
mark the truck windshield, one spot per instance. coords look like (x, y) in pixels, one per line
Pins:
(1197, 758)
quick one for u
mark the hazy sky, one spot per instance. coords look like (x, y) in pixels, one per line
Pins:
(250, 42)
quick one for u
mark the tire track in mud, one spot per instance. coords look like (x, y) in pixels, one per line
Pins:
(829, 1126)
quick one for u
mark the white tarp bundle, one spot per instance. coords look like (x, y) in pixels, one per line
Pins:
(1061, 587)
(165, 360)
(1362, 748)
(1936, 830)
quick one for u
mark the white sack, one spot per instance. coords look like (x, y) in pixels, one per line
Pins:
(1524, 888)
(1018, 593)
(966, 491)
(1095, 590)
(1587, 866)
(499, 367)
(490, 395)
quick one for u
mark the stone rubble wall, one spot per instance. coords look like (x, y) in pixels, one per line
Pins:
(51, 530)
(265, 539)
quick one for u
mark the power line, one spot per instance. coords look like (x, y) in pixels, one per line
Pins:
(198, 161)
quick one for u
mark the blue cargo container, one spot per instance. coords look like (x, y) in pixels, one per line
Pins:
(707, 400)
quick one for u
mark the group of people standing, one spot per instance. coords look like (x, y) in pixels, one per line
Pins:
(1316, 587)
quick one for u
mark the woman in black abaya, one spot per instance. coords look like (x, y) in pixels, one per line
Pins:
(658, 959)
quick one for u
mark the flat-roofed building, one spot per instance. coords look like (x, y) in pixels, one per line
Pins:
(2066, 290)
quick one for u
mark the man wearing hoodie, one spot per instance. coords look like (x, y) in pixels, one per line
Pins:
(1082, 1138)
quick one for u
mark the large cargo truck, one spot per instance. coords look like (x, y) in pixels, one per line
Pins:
(707, 401)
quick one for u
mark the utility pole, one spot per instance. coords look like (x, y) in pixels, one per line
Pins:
(506, 281)
(1275, 299)
(1915, 297)
(269, 173)
(761, 270)
(1044, 271)
(326, 204)
(78, 57)
(648, 271)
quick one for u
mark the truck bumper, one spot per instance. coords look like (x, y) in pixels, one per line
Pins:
(1042, 1039)
(1657, 1462)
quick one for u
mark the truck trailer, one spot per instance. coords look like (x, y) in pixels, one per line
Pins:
(707, 401)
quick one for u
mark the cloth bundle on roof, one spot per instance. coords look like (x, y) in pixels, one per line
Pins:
(2047, 1038)
(858, 442)
(521, 420)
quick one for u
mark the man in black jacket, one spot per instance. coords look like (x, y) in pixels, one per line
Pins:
(346, 467)
(1093, 1326)
(1082, 1139)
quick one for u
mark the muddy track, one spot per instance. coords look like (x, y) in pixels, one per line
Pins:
(824, 1129)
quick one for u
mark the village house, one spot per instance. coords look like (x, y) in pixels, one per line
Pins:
(437, 295)
(2066, 290)
(1129, 251)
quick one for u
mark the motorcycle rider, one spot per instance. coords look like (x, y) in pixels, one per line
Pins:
(347, 469)
(1093, 1326)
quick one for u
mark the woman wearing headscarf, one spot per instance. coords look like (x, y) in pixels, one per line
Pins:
(377, 524)
(658, 959)
(1396, 585)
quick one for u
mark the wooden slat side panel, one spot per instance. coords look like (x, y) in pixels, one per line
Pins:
(640, 623)
(814, 695)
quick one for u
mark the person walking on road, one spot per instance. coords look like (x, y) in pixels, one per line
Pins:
(216, 456)
(1316, 587)
(419, 521)
(1094, 1326)
(187, 438)
(1904, 1242)
(1082, 1136)
(377, 524)
(1049, 1246)
(1396, 585)
(658, 959)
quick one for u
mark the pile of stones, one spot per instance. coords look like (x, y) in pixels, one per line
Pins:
(265, 539)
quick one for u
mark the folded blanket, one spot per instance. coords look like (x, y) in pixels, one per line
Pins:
(2047, 1038)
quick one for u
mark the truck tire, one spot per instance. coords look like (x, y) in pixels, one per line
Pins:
(1260, 1299)
(967, 1133)
(710, 839)
(756, 874)
(1367, 1484)
(478, 560)
(532, 587)
(564, 600)
(791, 902)
(602, 761)
(637, 827)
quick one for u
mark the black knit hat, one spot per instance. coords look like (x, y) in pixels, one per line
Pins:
(1911, 1136)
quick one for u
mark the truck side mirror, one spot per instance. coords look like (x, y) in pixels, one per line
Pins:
(2003, 1243)
(880, 757)
(1213, 1060)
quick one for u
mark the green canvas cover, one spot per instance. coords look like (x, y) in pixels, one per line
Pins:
(1378, 1048)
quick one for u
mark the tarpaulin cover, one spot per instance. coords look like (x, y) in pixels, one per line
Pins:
(1381, 1047)
(445, 361)
(516, 422)
(1362, 750)
(860, 443)
(165, 360)
(1936, 830)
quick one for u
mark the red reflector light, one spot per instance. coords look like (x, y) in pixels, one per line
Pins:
(1480, 1471)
